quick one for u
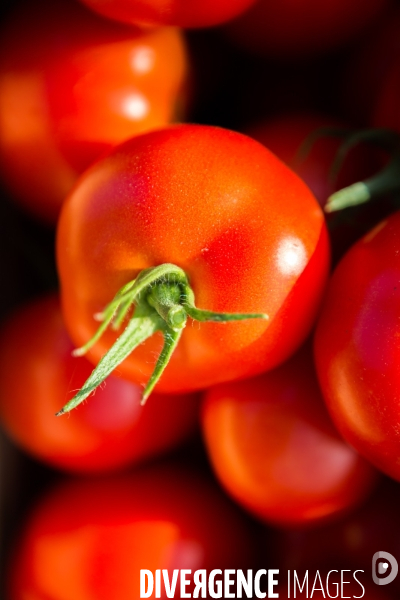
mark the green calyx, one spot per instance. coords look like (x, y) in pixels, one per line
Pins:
(162, 300)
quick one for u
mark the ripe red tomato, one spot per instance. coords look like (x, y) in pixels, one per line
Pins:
(89, 539)
(368, 67)
(38, 374)
(72, 85)
(247, 232)
(196, 13)
(357, 347)
(275, 450)
(291, 29)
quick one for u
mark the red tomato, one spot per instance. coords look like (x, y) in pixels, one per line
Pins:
(368, 67)
(275, 450)
(247, 232)
(291, 29)
(89, 539)
(195, 13)
(357, 347)
(72, 85)
(38, 374)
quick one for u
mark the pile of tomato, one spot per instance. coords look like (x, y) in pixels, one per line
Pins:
(198, 359)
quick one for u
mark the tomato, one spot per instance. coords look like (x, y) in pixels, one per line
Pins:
(245, 230)
(90, 539)
(357, 346)
(291, 29)
(196, 13)
(72, 85)
(275, 450)
(37, 375)
(368, 68)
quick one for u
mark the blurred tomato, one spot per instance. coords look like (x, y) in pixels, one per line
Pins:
(89, 539)
(293, 29)
(72, 85)
(275, 450)
(368, 66)
(183, 13)
(38, 375)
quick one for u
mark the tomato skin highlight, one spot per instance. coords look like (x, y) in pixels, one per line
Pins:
(196, 13)
(357, 350)
(72, 85)
(275, 450)
(247, 232)
(38, 374)
(163, 517)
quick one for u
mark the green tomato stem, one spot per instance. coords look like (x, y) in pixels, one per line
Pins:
(162, 300)
(384, 182)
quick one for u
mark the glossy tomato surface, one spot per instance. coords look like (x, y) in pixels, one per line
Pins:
(275, 450)
(72, 85)
(38, 374)
(196, 13)
(245, 229)
(357, 347)
(89, 539)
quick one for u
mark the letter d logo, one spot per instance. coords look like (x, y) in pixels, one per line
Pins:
(383, 567)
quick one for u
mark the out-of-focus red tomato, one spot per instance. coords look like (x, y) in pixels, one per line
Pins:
(89, 539)
(368, 67)
(182, 13)
(275, 450)
(357, 347)
(293, 29)
(72, 85)
(37, 376)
